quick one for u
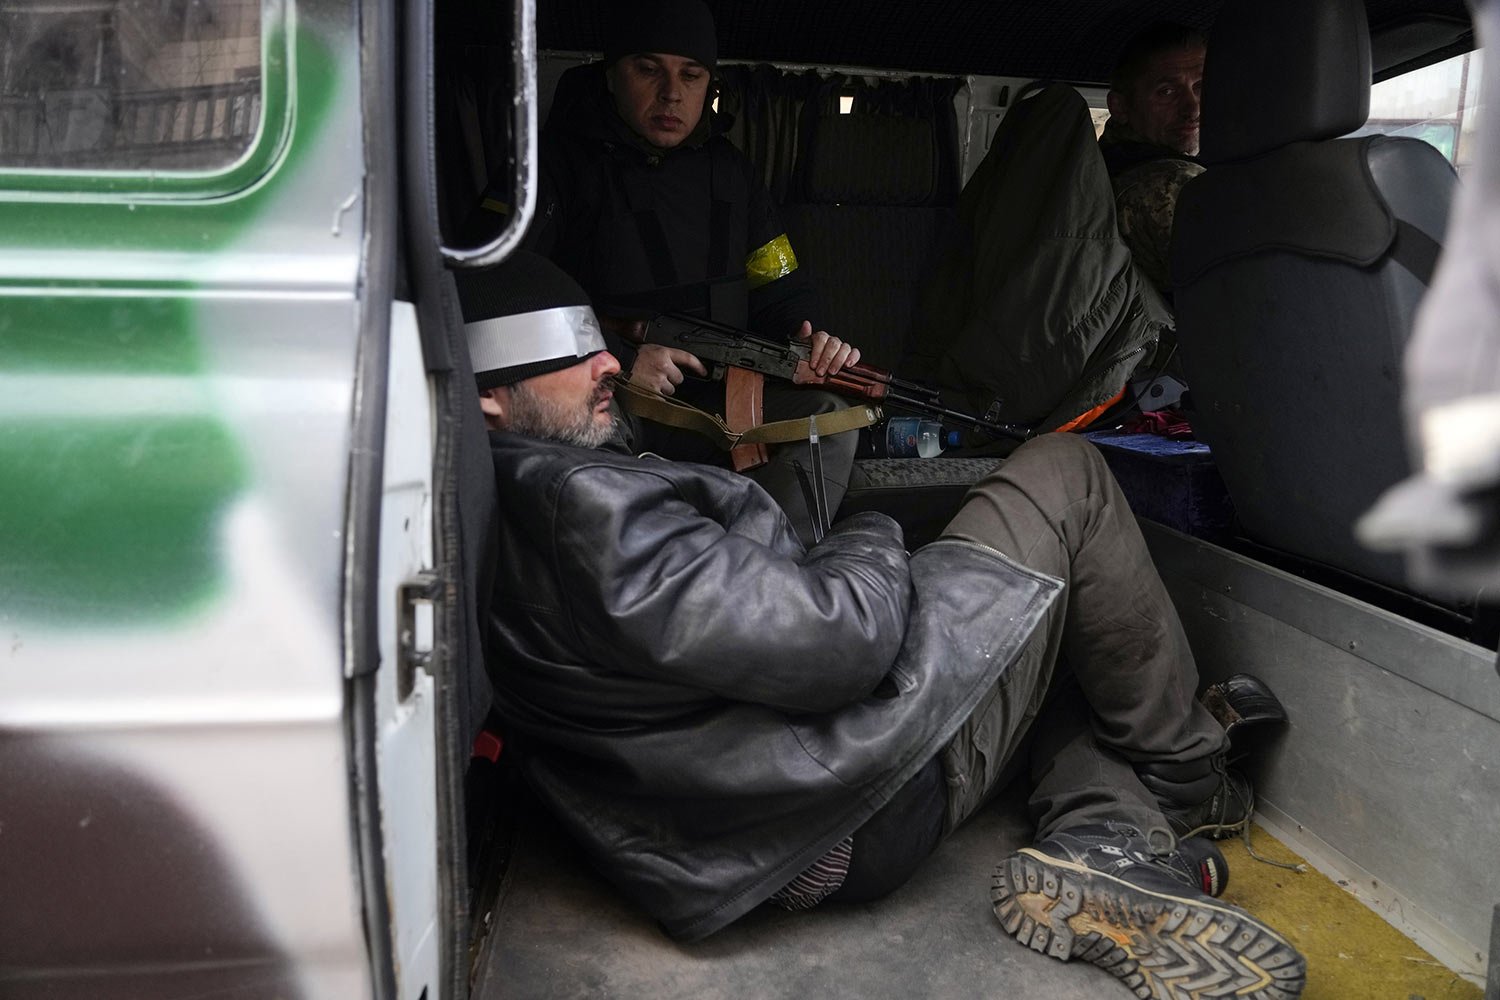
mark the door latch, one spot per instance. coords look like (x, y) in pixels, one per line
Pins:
(416, 630)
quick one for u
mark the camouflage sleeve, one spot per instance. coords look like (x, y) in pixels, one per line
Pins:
(1145, 200)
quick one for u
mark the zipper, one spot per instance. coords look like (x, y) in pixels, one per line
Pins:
(1008, 560)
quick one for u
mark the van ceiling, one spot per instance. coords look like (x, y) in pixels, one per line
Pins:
(1075, 41)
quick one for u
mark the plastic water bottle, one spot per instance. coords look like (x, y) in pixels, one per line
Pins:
(913, 437)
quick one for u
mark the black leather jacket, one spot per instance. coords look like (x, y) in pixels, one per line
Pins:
(707, 707)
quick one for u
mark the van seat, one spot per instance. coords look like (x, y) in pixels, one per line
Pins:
(922, 494)
(1299, 259)
(865, 219)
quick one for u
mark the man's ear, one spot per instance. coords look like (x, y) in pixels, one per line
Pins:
(493, 403)
(609, 76)
(1118, 107)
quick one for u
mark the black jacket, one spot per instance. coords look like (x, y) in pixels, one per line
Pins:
(704, 748)
(641, 228)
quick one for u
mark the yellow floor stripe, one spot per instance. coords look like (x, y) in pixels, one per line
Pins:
(1352, 954)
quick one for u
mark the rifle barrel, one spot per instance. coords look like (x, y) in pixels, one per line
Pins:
(943, 412)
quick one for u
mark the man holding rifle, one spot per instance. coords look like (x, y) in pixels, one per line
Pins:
(720, 345)
(650, 208)
(721, 717)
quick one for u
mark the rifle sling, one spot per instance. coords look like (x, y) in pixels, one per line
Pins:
(675, 413)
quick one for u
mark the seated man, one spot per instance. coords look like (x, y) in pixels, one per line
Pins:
(998, 321)
(1152, 136)
(721, 717)
(647, 204)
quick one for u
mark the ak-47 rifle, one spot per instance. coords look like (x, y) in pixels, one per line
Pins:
(725, 348)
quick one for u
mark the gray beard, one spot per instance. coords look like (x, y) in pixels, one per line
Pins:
(541, 417)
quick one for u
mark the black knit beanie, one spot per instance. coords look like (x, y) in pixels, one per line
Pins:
(525, 317)
(672, 27)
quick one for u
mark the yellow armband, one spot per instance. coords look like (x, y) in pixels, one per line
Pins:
(772, 261)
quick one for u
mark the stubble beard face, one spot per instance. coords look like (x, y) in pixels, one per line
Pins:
(551, 419)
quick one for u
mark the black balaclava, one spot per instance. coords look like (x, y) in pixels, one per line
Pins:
(673, 27)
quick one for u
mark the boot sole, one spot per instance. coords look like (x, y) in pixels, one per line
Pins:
(1162, 947)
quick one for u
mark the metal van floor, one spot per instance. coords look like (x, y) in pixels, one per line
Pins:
(560, 931)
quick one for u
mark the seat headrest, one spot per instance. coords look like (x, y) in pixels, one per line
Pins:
(1282, 71)
(870, 160)
(576, 89)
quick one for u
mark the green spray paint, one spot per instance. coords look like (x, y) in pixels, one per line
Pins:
(108, 516)
(133, 537)
(114, 518)
(85, 337)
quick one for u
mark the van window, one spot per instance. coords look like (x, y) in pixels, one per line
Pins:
(1438, 104)
(133, 85)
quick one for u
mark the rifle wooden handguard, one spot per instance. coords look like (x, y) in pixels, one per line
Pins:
(860, 380)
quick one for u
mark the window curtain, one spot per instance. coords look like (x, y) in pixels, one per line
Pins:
(775, 111)
(767, 107)
(930, 98)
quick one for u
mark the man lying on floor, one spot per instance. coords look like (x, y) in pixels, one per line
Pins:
(722, 718)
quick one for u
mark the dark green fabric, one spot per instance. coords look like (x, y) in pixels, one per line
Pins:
(1039, 302)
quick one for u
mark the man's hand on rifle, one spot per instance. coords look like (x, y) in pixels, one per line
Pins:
(660, 369)
(830, 355)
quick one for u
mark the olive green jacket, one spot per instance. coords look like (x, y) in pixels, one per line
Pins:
(1039, 303)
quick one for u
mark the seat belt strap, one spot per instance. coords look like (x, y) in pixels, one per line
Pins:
(1415, 251)
(642, 204)
(721, 212)
(820, 512)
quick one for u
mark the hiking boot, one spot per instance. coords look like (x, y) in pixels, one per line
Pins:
(1206, 797)
(1100, 893)
(1223, 814)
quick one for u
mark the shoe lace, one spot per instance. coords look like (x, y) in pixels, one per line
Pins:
(1160, 841)
(1245, 794)
(1241, 791)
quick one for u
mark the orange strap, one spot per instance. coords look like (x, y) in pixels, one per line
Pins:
(1081, 421)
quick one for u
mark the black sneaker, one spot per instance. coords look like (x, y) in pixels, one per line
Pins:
(1245, 706)
(1100, 893)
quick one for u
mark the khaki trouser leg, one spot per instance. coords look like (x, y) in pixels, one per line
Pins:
(1054, 506)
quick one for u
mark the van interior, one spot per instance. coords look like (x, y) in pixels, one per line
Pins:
(864, 121)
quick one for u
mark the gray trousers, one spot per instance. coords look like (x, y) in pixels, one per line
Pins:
(1107, 680)
(779, 476)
